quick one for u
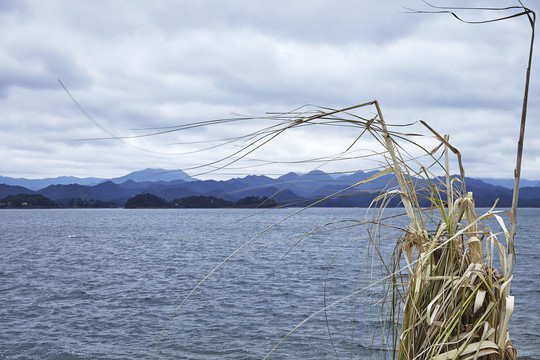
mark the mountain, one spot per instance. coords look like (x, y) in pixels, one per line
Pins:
(529, 197)
(486, 194)
(307, 185)
(509, 183)
(153, 175)
(300, 189)
(6, 190)
(64, 193)
(36, 184)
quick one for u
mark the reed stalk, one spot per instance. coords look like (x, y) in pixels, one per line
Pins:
(445, 297)
(447, 286)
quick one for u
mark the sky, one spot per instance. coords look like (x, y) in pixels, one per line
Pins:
(133, 65)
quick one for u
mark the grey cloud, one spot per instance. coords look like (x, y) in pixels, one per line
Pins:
(134, 65)
(11, 5)
(321, 21)
(38, 67)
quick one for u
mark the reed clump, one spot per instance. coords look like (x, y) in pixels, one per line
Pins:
(449, 294)
(446, 288)
(456, 302)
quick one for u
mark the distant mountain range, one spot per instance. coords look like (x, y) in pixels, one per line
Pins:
(290, 189)
(151, 175)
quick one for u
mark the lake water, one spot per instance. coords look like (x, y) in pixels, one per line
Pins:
(103, 283)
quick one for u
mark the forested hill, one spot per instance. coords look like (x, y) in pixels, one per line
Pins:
(288, 190)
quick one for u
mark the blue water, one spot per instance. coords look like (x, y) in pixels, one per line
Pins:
(103, 283)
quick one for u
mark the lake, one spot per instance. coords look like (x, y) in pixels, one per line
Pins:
(103, 284)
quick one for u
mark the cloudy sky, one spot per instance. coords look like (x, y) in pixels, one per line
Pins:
(139, 64)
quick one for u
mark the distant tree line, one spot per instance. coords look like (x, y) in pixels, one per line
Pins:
(22, 201)
(82, 204)
(38, 201)
(145, 200)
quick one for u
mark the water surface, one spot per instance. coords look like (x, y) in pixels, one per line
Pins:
(103, 283)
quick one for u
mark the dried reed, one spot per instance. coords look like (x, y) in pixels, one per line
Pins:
(447, 286)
